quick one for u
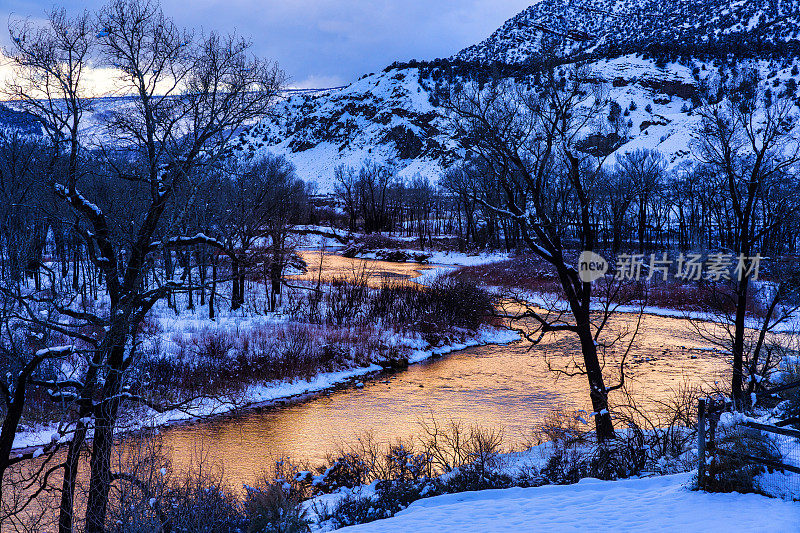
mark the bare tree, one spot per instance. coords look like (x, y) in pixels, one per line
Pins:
(749, 144)
(190, 96)
(528, 140)
(620, 192)
(346, 190)
(644, 170)
(258, 201)
(50, 61)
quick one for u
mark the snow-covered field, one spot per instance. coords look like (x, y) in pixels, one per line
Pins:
(791, 324)
(662, 503)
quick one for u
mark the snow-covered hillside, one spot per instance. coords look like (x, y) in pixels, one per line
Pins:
(648, 56)
(390, 117)
(385, 117)
(12, 120)
(609, 27)
(396, 117)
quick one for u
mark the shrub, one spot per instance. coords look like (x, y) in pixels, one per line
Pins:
(346, 471)
(404, 465)
(565, 465)
(475, 477)
(459, 303)
(274, 509)
(345, 301)
(392, 496)
(525, 273)
(200, 504)
(355, 509)
(727, 471)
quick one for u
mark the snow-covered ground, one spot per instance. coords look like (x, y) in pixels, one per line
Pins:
(548, 301)
(662, 503)
(443, 258)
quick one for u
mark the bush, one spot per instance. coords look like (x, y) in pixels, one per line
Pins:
(203, 505)
(460, 303)
(476, 477)
(565, 465)
(392, 496)
(404, 465)
(355, 509)
(275, 509)
(727, 471)
(346, 471)
(789, 406)
(432, 311)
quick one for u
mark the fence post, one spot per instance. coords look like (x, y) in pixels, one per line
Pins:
(701, 442)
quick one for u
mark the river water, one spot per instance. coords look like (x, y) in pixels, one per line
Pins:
(505, 388)
(510, 389)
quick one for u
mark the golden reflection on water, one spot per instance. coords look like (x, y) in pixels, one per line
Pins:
(338, 267)
(503, 387)
(506, 388)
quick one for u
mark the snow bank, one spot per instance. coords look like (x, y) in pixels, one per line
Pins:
(661, 503)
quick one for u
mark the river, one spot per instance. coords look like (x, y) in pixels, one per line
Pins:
(505, 388)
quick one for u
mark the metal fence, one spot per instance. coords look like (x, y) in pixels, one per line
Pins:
(738, 453)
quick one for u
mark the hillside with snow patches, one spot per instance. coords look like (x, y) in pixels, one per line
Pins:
(385, 117)
(617, 27)
(389, 118)
(395, 117)
(649, 56)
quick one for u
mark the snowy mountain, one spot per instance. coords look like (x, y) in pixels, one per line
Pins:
(12, 120)
(649, 55)
(617, 27)
(386, 117)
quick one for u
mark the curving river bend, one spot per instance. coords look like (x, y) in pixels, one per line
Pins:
(508, 388)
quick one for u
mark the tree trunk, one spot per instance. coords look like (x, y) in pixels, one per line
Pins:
(597, 391)
(212, 296)
(67, 505)
(105, 417)
(236, 297)
(738, 344)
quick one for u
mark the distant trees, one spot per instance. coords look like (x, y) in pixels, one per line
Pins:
(619, 193)
(365, 194)
(256, 203)
(645, 170)
(375, 200)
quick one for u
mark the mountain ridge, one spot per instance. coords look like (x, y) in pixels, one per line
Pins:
(631, 48)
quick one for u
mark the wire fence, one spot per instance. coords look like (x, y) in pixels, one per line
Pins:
(739, 453)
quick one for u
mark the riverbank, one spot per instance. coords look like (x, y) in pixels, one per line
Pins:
(277, 392)
(251, 358)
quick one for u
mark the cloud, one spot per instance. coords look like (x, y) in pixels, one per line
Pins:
(331, 39)
(319, 82)
(97, 81)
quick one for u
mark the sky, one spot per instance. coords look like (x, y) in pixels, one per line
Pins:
(324, 43)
